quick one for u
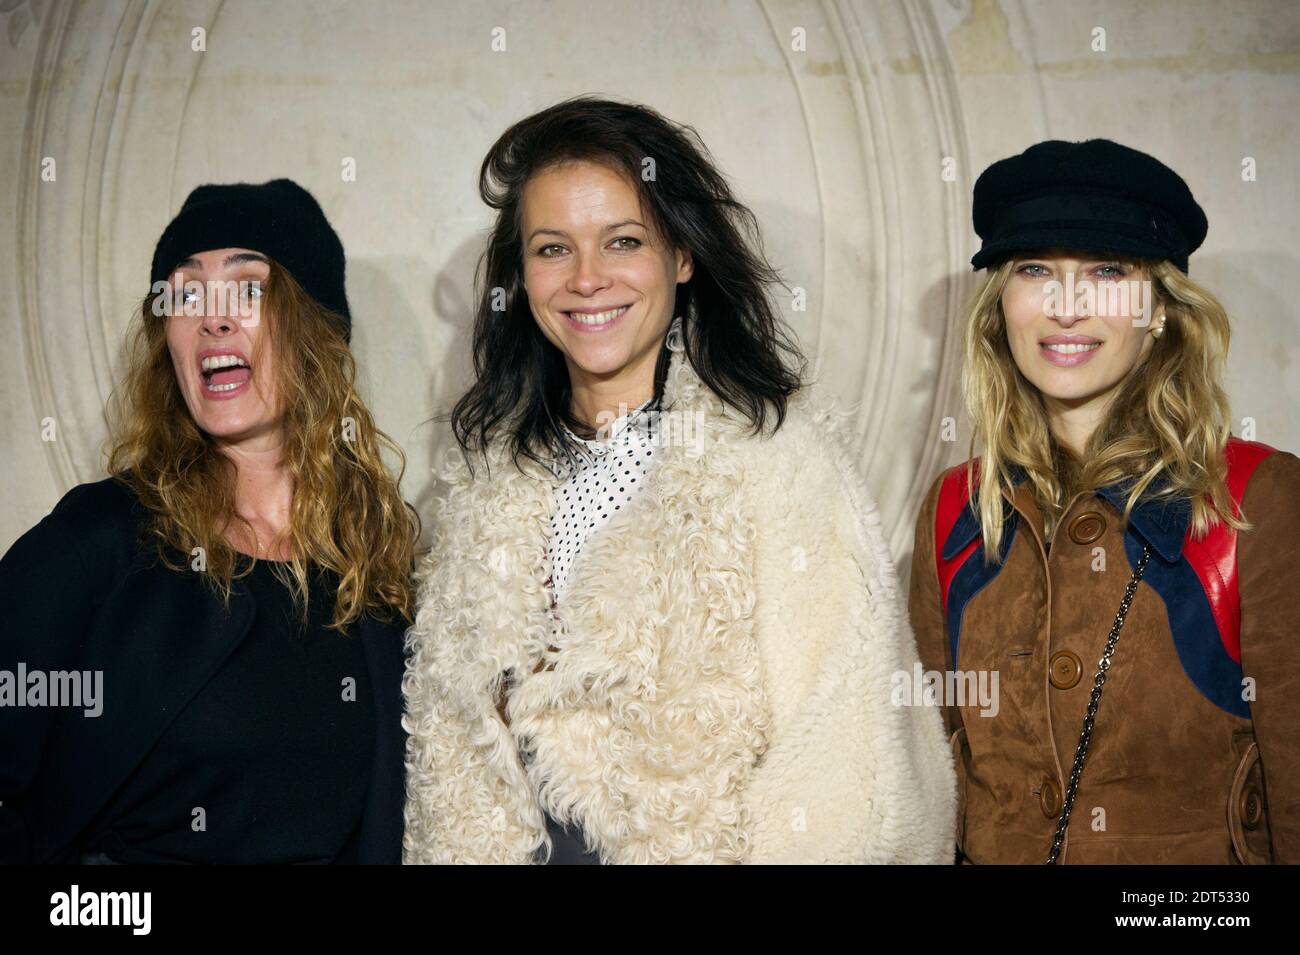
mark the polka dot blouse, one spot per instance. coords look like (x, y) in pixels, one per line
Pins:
(595, 485)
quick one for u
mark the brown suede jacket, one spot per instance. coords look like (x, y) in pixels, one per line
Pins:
(1195, 755)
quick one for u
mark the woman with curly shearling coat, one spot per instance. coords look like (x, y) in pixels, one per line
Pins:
(667, 634)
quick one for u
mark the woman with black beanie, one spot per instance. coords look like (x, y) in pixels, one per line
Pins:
(230, 601)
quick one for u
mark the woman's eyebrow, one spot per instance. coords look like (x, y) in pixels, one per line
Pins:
(536, 232)
(235, 258)
(241, 257)
(609, 228)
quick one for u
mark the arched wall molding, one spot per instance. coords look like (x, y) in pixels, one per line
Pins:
(81, 117)
(837, 149)
(137, 82)
(869, 153)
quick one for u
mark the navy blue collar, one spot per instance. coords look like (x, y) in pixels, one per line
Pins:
(1161, 523)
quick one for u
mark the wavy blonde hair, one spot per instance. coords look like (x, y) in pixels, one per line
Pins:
(347, 513)
(1168, 419)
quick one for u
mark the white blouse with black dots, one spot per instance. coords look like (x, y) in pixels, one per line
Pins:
(595, 485)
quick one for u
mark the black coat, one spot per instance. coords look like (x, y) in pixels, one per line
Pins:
(81, 592)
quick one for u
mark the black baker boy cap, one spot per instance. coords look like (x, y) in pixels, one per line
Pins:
(1095, 196)
(279, 219)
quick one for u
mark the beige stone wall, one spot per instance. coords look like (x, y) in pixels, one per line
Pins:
(840, 146)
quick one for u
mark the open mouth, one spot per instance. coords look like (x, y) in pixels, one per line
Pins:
(594, 321)
(225, 374)
(1068, 353)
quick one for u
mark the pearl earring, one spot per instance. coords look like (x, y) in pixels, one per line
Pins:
(1158, 330)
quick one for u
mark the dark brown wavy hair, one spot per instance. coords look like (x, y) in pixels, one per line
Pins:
(347, 515)
(732, 335)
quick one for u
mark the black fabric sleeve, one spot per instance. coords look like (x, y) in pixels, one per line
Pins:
(48, 592)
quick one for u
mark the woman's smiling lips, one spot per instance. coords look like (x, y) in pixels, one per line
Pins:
(1068, 350)
(595, 319)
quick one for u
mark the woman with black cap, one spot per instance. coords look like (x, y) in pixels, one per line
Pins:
(1113, 553)
(237, 588)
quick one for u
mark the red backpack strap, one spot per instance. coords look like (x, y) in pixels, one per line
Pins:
(1214, 557)
(954, 495)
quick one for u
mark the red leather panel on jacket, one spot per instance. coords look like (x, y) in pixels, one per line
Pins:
(954, 496)
(1214, 557)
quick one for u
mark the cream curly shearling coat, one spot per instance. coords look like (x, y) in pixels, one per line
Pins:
(720, 678)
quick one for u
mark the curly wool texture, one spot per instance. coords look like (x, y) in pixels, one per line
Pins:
(720, 689)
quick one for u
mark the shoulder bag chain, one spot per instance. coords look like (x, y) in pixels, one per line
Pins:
(1090, 717)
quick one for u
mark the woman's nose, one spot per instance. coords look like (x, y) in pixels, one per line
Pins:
(215, 322)
(1067, 306)
(588, 274)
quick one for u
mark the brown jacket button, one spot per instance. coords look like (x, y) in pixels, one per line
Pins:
(1049, 798)
(1087, 527)
(1251, 807)
(1064, 669)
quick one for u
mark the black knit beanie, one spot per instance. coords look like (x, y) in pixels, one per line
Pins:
(279, 219)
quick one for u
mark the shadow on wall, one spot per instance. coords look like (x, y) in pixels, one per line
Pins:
(940, 317)
(1265, 350)
(426, 347)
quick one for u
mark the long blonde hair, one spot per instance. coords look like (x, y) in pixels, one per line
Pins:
(1169, 419)
(347, 514)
